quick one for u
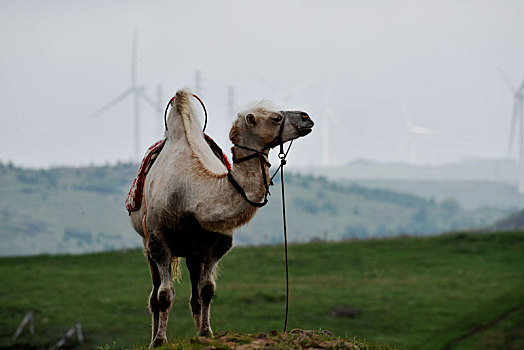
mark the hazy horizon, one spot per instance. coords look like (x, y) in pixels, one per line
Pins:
(364, 61)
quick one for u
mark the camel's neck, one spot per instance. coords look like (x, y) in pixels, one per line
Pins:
(249, 174)
(220, 208)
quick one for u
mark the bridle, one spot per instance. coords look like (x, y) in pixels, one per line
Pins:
(262, 157)
(201, 103)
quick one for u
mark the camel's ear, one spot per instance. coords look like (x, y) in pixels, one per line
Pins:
(250, 120)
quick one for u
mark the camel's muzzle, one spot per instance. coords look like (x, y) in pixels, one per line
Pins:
(301, 121)
(304, 131)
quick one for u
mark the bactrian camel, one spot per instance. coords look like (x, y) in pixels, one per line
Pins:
(190, 207)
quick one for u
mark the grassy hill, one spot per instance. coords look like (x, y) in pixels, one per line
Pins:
(471, 170)
(460, 291)
(469, 194)
(64, 209)
(79, 210)
(474, 183)
(513, 222)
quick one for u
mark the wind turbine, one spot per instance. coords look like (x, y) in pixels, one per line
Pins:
(517, 121)
(285, 96)
(137, 92)
(413, 131)
(328, 117)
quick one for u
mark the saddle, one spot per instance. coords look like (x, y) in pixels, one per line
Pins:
(134, 197)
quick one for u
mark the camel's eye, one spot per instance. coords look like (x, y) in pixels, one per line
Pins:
(277, 119)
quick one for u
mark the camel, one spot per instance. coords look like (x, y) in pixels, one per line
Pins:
(191, 206)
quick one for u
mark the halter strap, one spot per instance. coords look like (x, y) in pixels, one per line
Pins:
(263, 161)
(256, 153)
(201, 103)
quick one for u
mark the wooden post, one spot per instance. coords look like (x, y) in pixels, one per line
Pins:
(28, 318)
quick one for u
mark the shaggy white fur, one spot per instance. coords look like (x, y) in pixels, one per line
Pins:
(194, 137)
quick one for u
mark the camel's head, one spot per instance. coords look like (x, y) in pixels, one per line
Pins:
(259, 127)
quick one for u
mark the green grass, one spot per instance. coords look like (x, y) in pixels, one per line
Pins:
(411, 292)
(506, 333)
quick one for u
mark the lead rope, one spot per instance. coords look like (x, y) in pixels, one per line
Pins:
(283, 162)
(282, 155)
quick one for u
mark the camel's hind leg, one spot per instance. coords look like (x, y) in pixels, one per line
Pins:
(153, 301)
(206, 285)
(160, 254)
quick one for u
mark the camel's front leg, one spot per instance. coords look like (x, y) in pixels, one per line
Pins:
(161, 255)
(206, 288)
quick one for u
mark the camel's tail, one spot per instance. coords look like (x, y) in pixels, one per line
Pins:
(183, 124)
(177, 271)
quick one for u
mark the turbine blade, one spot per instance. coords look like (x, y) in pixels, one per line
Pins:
(521, 88)
(420, 130)
(272, 87)
(507, 80)
(150, 101)
(112, 102)
(407, 118)
(296, 89)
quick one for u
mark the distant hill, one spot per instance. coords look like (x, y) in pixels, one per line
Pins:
(514, 222)
(497, 170)
(469, 194)
(75, 210)
(474, 183)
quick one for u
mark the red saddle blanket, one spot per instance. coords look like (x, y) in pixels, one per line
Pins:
(134, 197)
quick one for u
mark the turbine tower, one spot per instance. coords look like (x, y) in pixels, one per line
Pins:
(231, 102)
(160, 106)
(198, 82)
(410, 140)
(137, 92)
(517, 122)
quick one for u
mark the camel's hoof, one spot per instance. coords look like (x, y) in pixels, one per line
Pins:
(205, 333)
(158, 342)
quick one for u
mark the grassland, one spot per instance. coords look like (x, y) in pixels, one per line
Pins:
(417, 293)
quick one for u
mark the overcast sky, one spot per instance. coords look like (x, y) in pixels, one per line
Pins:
(62, 60)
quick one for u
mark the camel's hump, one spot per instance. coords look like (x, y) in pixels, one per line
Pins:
(184, 122)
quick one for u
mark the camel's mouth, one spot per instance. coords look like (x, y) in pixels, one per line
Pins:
(304, 130)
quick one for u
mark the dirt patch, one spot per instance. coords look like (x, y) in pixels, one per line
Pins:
(295, 339)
